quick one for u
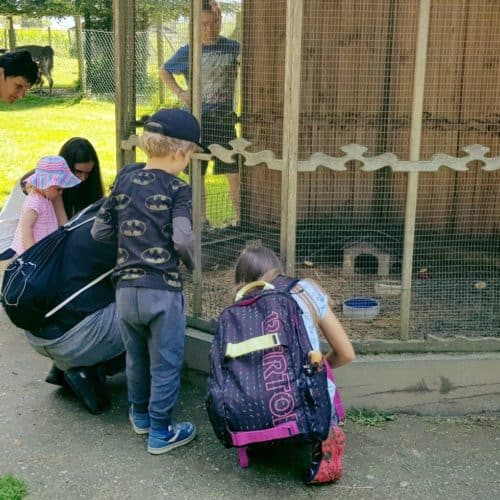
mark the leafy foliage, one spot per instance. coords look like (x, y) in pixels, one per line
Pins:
(12, 488)
(37, 8)
(370, 418)
(98, 14)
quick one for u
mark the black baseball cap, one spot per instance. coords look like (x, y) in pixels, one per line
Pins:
(176, 123)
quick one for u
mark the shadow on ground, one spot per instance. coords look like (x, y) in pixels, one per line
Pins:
(62, 452)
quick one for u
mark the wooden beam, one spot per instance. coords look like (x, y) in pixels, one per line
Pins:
(415, 141)
(124, 38)
(160, 51)
(196, 178)
(291, 110)
(79, 54)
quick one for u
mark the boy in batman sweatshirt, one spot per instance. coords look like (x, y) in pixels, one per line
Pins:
(149, 216)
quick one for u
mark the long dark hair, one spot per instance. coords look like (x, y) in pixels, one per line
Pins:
(256, 263)
(80, 150)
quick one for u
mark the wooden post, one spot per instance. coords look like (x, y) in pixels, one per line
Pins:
(12, 33)
(412, 185)
(160, 51)
(291, 133)
(243, 170)
(124, 40)
(49, 35)
(79, 54)
(196, 178)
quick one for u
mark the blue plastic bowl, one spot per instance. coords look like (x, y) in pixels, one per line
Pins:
(361, 308)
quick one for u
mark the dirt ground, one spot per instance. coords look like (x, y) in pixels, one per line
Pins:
(61, 451)
(441, 306)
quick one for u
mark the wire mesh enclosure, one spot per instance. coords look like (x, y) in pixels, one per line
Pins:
(366, 150)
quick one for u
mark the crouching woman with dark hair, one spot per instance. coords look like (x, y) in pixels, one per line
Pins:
(83, 338)
(84, 163)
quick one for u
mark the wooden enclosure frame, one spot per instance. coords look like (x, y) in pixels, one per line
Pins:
(289, 164)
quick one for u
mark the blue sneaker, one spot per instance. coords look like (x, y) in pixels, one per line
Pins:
(161, 441)
(140, 421)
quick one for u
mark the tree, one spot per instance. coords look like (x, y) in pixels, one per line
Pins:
(37, 8)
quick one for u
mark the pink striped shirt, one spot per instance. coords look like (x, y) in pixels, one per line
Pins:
(45, 223)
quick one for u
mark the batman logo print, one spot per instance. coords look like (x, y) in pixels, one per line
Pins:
(143, 178)
(155, 255)
(132, 273)
(120, 201)
(174, 186)
(172, 280)
(122, 256)
(103, 217)
(158, 203)
(133, 228)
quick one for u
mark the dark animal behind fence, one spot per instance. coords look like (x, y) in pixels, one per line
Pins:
(44, 57)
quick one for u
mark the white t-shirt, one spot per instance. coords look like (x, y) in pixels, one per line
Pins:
(10, 215)
(314, 302)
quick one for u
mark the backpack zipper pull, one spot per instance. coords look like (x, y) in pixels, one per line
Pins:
(316, 360)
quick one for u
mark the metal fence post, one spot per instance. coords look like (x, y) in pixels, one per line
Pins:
(412, 185)
(291, 110)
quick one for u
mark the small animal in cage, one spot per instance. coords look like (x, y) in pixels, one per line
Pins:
(423, 273)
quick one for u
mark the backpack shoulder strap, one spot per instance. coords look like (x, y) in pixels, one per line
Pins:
(77, 293)
(75, 221)
(280, 284)
(284, 283)
(250, 287)
(308, 301)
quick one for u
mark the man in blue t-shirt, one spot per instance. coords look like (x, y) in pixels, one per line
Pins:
(219, 65)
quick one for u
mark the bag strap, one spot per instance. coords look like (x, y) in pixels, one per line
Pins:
(264, 285)
(284, 283)
(77, 293)
(308, 301)
(291, 285)
(69, 225)
(254, 344)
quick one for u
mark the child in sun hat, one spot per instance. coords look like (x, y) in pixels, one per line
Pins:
(43, 211)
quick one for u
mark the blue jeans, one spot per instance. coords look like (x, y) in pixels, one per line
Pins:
(153, 328)
(94, 340)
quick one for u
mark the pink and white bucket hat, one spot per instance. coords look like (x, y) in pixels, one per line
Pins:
(52, 171)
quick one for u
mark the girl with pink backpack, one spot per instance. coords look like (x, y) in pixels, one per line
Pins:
(262, 264)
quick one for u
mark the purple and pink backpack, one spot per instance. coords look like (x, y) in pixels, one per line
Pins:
(262, 386)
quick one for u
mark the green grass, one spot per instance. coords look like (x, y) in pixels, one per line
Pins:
(368, 417)
(12, 488)
(483, 420)
(38, 126)
(65, 73)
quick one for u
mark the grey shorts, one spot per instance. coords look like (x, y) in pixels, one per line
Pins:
(95, 339)
(218, 128)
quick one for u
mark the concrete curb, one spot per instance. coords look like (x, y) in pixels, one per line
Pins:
(426, 384)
